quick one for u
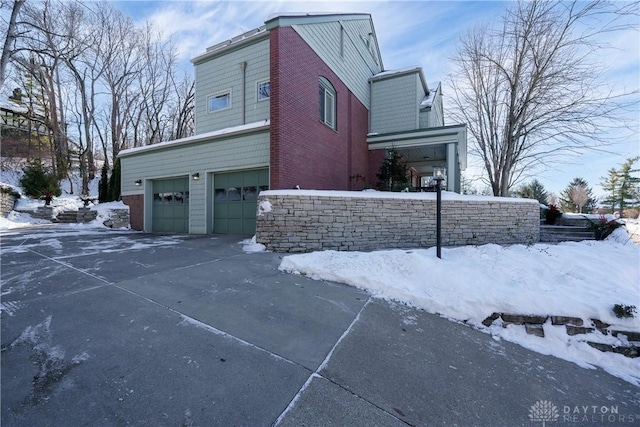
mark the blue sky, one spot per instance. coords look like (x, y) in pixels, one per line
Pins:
(410, 33)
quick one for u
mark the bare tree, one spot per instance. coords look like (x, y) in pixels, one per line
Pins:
(47, 42)
(531, 91)
(10, 36)
(580, 196)
(183, 117)
(104, 81)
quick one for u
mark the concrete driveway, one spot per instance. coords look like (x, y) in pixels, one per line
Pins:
(124, 328)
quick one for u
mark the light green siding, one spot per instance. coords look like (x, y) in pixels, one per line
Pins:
(395, 103)
(236, 152)
(354, 63)
(223, 72)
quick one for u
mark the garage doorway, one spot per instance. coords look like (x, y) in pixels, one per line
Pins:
(235, 196)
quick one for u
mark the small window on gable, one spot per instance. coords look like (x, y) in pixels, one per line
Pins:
(220, 101)
(327, 101)
(264, 91)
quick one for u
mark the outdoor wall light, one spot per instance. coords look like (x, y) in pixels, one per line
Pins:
(138, 182)
(196, 176)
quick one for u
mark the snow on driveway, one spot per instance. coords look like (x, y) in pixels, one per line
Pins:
(577, 279)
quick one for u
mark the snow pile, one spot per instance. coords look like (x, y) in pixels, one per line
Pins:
(251, 246)
(104, 212)
(576, 279)
(19, 220)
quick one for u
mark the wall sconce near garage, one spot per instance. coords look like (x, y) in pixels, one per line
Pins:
(196, 176)
(138, 182)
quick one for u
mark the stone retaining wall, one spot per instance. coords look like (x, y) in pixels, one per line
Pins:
(118, 218)
(7, 201)
(356, 221)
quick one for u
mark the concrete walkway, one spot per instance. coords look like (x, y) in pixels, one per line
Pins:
(120, 328)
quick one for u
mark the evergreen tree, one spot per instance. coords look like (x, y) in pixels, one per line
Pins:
(567, 204)
(103, 185)
(627, 193)
(40, 182)
(114, 182)
(393, 172)
(534, 190)
(610, 185)
(622, 187)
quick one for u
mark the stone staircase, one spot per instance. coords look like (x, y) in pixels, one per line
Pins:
(82, 215)
(566, 230)
(66, 217)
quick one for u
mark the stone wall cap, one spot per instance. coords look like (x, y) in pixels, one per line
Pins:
(372, 194)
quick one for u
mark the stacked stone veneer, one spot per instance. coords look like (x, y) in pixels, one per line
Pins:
(7, 200)
(119, 218)
(354, 221)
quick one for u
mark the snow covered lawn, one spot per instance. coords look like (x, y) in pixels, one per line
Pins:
(468, 284)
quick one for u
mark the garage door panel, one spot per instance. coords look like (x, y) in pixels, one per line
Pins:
(235, 210)
(249, 211)
(234, 200)
(170, 211)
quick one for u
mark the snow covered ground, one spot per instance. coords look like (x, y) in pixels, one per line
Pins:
(66, 202)
(583, 279)
(468, 284)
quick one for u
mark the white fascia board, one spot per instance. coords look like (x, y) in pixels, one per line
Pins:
(390, 74)
(289, 19)
(230, 45)
(455, 131)
(216, 134)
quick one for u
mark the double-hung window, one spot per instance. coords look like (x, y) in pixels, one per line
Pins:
(220, 101)
(327, 95)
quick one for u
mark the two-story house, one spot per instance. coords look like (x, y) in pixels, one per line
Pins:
(303, 101)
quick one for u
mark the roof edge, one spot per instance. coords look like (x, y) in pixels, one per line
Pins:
(216, 134)
(255, 35)
(389, 74)
(287, 20)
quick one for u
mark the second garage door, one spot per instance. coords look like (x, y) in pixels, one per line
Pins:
(171, 205)
(235, 195)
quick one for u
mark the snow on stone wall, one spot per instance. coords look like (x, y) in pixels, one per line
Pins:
(309, 222)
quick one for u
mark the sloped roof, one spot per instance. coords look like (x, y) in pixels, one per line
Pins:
(427, 102)
(226, 132)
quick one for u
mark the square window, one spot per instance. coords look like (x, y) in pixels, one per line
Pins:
(220, 102)
(264, 91)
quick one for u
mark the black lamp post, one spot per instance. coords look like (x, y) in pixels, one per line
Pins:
(439, 178)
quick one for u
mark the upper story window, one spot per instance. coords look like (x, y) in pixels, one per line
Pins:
(220, 101)
(264, 91)
(327, 95)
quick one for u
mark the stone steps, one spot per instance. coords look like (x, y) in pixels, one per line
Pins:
(567, 229)
(66, 217)
(573, 326)
(564, 233)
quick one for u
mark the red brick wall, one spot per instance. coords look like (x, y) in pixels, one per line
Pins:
(304, 151)
(136, 210)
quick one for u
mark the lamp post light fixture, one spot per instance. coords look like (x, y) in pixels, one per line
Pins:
(438, 178)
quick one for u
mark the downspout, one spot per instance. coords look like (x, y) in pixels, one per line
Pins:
(243, 69)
